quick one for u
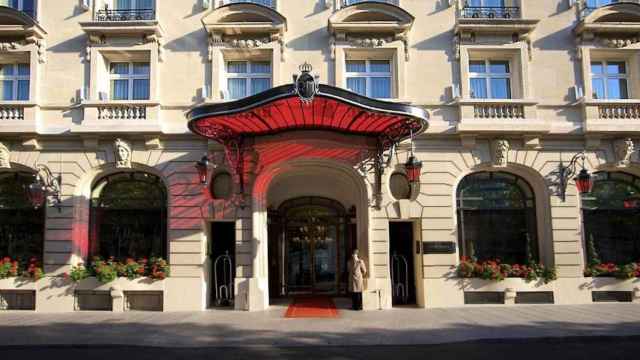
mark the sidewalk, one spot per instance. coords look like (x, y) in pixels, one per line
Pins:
(217, 328)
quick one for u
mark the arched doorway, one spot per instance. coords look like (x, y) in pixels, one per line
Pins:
(128, 216)
(611, 215)
(497, 218)
(309, 239)
(21, 225)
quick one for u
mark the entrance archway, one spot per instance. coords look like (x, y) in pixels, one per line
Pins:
(309, 239)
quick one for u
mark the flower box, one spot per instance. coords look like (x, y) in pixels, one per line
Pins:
(610, 284)
(122, 294)
(123, 284)
(517, 284)
(18, 283)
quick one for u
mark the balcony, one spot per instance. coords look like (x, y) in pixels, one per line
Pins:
(18, 117)
(16, 26)
(119, 116)
(504, 20)
(611, 116)
(500, 116)
(618, 21)
(122, 22)
(242, 20)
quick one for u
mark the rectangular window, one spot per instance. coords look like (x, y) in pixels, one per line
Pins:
(134, 4)
(26, 6)
(609, 80)
(490, 79)
(14, 82)
(129, 81)
(598, 3)
(267, 3)
(371, 78)
(246, 78)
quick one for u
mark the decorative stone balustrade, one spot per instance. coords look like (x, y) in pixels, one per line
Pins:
(498, 111)
(493, 115)
(122, 112)
(611, 116)
(11, 112)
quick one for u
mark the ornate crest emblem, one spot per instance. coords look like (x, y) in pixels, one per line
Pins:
(306, 85)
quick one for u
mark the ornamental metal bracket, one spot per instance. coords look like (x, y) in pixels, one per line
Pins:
(51, 185)
(377, 162)
(566, 172)
(234, 150)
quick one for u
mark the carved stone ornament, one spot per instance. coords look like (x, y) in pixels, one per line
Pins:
(123, 154)
(618, 43)
(369, 42)
(7, 46)
(624, 148)
(4, 157)
(500, 152)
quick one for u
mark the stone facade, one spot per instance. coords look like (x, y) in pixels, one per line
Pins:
(69, 126)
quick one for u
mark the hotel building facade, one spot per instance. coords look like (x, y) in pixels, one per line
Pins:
(255, 144)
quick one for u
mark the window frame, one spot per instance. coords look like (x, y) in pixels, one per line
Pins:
(134, 5)
(130, 77)
(488, 76)
(368, 75)
(15, 79)
(594, 4)
(606, 76)
(248, 76)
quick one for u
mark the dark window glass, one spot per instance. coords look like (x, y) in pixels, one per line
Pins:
(400, 187)
(497, 219)
(612, 218)
(21, 226)
(128, 216)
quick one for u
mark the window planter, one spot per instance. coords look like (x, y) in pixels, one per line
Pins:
(139, 294)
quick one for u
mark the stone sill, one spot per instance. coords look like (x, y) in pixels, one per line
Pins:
(18, 283)
(133, 28)
(610, 284)
(517, 284)
(122, 284)
(526, 121)
(495, 26)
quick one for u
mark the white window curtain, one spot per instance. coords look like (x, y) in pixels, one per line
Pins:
(489, 79)
(130, 81)
(15, 82)
(371, 78)
(609, 80)
(246, 78)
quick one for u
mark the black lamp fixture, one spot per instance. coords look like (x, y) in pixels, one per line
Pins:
(584, 180)
(202, 166)
(413, 166)
(45, 185)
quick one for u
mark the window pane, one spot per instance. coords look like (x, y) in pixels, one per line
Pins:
(262, 67)
(237, 88)
(381, 87)
(7, 90)
(617, 88)
(23, 90)
(23, 69)
(356, 66)
(141, 68)
(500, 89)
(145, 4)
(357, 85)
(236, 67)
(120, 89)
(260, 85)
(494, 3)
(615, 68)
(141, 89)
(477, 67)
(598, 88)
(120, 68)
(380, 66)
(499, 67)
(6, 69)
(123, 4)
(478, 88)
(597, 68)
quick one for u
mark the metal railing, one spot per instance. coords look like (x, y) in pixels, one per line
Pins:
(352, 2)
(491, 12)
(267, 3)
(126, 15)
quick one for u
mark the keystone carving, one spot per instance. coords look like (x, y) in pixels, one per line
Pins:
(123, 154)
(624, 148)
(4, 157)
(500, 151)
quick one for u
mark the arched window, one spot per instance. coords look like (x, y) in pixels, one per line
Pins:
(497, 219)
(611, 215)
(21, 226)
(128, 216)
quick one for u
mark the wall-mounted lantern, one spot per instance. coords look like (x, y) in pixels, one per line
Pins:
(584, 180)
(202, 166)
(413, 166)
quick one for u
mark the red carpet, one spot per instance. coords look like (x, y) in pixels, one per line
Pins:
(312, 307)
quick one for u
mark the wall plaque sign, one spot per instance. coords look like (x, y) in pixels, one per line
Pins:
(438, 247)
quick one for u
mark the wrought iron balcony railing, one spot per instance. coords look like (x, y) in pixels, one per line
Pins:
(352, 2)
(267, 3)
(491, 12)
(126, 15)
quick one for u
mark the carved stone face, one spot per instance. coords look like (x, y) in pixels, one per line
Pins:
(500, 152)
(123, 154)
(624, 149)
(4, 157)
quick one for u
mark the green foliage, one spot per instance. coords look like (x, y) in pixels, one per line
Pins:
(8, 268)
(109, 270)
(78, 273)
(495, 271)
